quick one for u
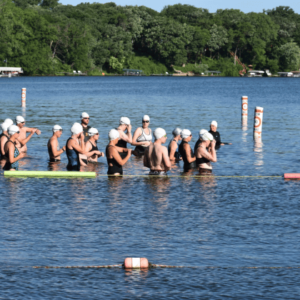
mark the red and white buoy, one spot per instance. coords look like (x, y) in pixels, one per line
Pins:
(136, 263)
(258, 119)
(23, 97)
(244, 108)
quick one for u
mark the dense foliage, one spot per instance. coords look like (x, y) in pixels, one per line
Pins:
(45, 37)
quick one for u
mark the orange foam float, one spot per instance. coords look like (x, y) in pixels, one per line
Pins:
(291, 176)
(136, 263)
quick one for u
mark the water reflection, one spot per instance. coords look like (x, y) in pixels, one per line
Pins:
(258, 151)
(24, 112)
(208, 186)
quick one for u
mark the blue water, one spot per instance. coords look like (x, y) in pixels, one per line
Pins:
(223, 226)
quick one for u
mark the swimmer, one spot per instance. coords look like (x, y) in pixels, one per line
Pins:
(216, 134)
(173, 146)
(53, 144)
(206, 152)
(142, 137)
(74, 147)
(11, 150)
(186, 152)
(4, 137)
(22, 139)
(114, 159)
(85, 119)
(91, 149)
(156, 155)
(125, 137)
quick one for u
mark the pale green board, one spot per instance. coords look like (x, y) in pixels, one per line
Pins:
(48, 174)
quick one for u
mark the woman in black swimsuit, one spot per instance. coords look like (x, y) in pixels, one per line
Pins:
(186, 152)
(114, 159)
(206, 152)
(91, 148)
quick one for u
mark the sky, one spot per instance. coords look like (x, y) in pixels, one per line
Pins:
(212, 5)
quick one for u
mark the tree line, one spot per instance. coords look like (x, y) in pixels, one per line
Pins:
(45, 37)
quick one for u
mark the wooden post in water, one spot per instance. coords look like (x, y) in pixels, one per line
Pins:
(258, 119)
(23, 103)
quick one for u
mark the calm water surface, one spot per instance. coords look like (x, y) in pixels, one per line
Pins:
(222, 226)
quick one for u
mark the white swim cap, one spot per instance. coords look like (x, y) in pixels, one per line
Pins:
(9, 121)
(205, 135)
(176, 131)
(92, 131)
(146, 118)
(19, 119)
(185, 133)
(5, 126)
(113, 134)
(56, 128)
(76, 128)
(125, 120)
(159, 133)
(12, 129)
(84, 115)
(214, 123)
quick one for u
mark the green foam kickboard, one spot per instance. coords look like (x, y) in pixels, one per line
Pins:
(49, 174)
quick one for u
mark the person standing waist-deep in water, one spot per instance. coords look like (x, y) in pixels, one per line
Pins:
(74, 147)
(206, 152)
(23, 139)
(186, 152)
(85, 119)
(142, 137)
(114, 160)
(124, 130)
(156, 155)
(54, 150)
(11, 150)
(213, 131)
(4, 137)
(173, 145)
(91, 148)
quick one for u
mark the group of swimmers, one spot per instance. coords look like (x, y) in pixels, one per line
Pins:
(81, 148)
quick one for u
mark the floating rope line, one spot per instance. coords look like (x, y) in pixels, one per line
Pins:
(194, 176)
(162, 267)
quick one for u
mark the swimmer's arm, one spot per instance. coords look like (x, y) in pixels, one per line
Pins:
(3, 140)
(26, 140)
(211, 155)
(120, 149)
(28, 129)
(172, 151)
(187, 150)
(166, 159)
(146, 160)
(79, 148)
(127, 137)
(115, 154)
(137, 133)
(56, 153)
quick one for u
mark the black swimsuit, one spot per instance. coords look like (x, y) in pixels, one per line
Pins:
(1, 135)
(122, 144)
(187, 166)
(177, 154)
(115, 168)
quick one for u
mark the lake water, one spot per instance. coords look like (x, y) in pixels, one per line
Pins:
(223, 226)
